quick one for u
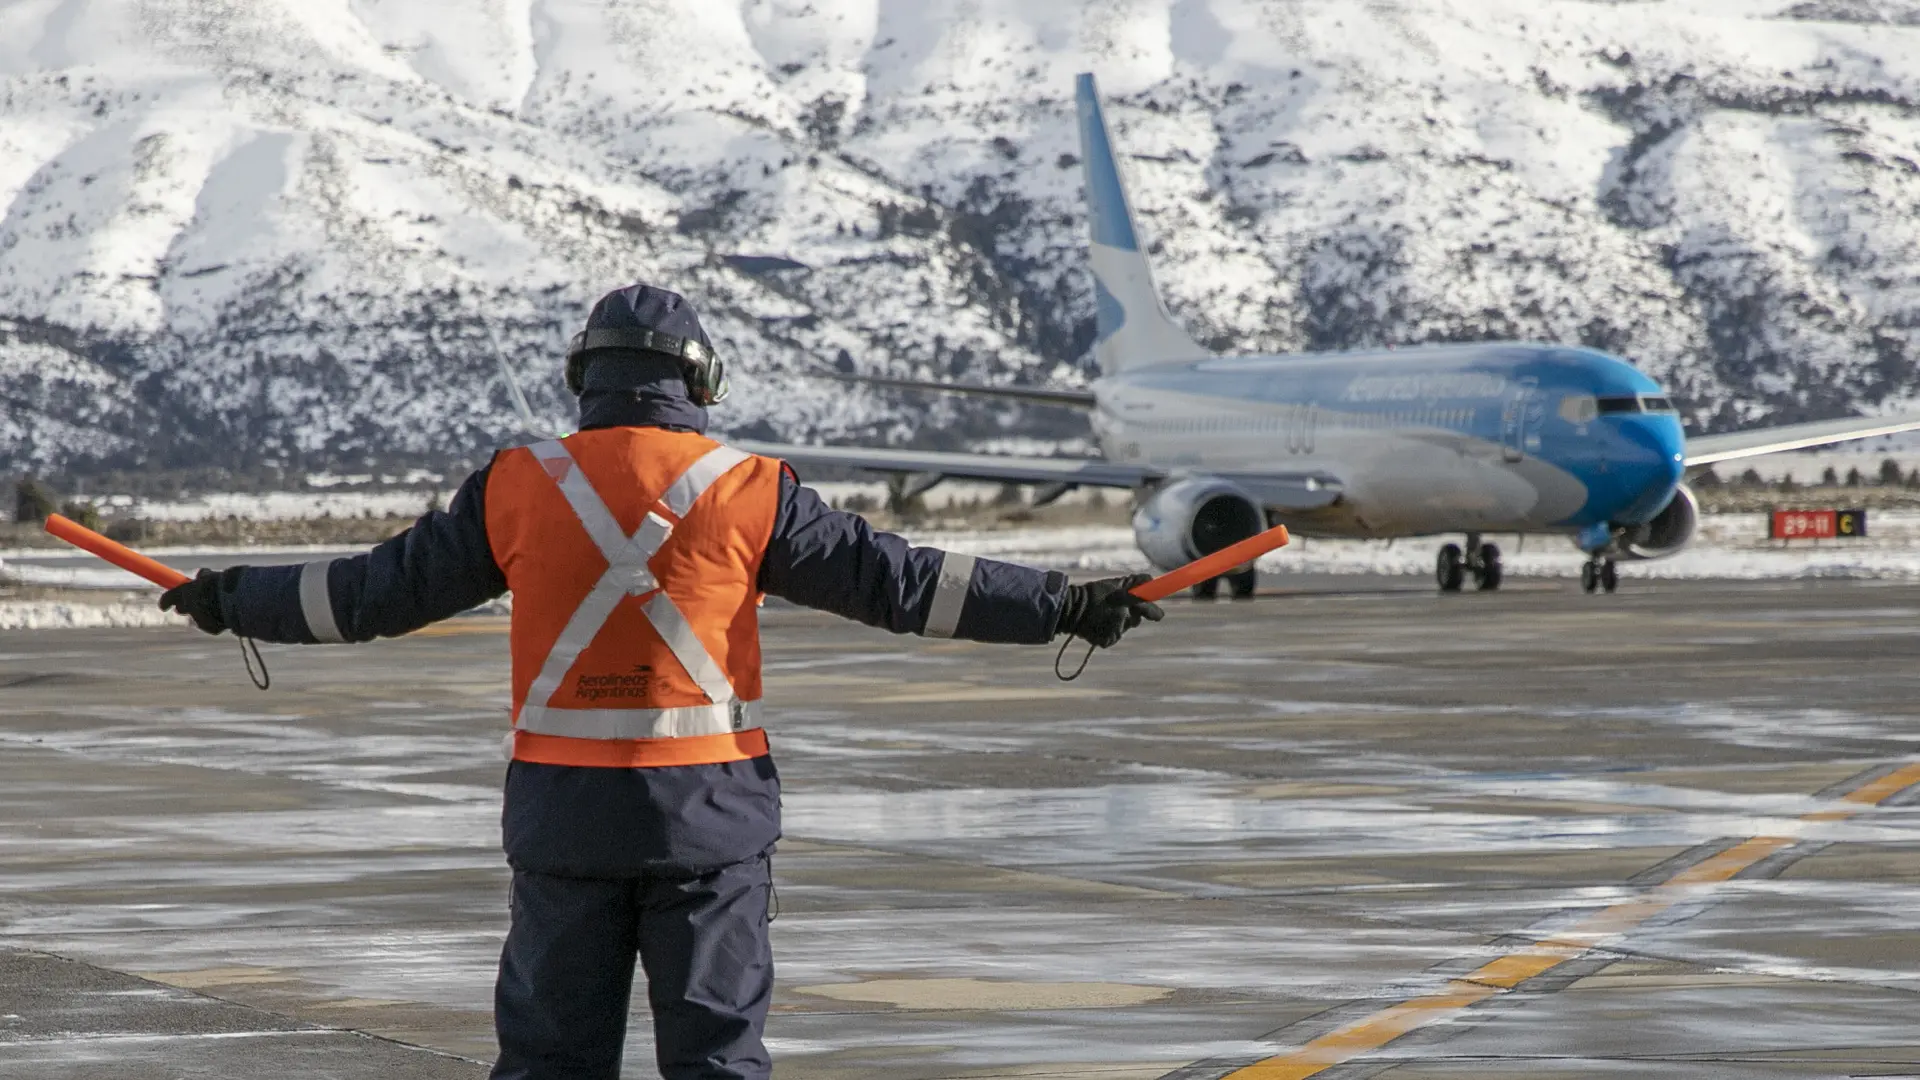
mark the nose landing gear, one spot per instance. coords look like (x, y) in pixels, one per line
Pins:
(1480, 560)
(1599, 573)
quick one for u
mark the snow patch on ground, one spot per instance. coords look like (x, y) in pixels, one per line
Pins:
(1727, 546)
(276, 505)
(92, 575)
(311, 505)
(55, 615)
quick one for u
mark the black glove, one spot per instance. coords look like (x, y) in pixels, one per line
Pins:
(199, 599)
(1100, 611)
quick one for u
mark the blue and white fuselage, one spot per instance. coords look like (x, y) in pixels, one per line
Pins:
(1500, 437)
(1438, 439)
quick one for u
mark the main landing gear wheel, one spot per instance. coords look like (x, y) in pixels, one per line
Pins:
(1450, 570)
(1243, 583)
(1488, 573)
(1206, 590)
(1589, 577)
(1609, 576)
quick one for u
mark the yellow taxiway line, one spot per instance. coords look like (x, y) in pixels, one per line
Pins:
(1503, 973)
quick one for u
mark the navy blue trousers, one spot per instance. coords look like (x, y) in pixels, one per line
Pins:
(560, 1006)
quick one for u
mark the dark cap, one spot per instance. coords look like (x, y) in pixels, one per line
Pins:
(628, 335)
(643, 307)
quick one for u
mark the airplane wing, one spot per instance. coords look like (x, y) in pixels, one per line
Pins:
(1013, 470)
(1708, 449)
(1276, 491)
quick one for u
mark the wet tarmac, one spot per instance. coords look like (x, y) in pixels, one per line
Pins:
(1356, 830)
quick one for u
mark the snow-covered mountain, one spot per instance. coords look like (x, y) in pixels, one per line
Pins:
(291, 231)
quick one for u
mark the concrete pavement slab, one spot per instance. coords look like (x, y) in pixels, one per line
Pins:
(1243, 828)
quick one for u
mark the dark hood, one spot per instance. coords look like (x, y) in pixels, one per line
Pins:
(631, 390)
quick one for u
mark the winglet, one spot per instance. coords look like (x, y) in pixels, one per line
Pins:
(1131, 324)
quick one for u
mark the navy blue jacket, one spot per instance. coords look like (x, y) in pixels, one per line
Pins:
(589, 822)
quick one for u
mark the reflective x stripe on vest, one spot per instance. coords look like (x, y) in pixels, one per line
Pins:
(627, 574)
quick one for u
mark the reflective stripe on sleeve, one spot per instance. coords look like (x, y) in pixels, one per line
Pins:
(949, 594)
(317, 604)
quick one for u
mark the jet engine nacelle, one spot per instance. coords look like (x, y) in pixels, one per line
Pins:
(1190, 518)
(1668, 532)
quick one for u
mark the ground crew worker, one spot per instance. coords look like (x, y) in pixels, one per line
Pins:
(641, 801)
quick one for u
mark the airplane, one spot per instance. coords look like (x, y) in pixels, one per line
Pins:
(1460, 439)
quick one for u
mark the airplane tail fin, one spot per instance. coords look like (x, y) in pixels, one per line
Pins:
(1131, 324)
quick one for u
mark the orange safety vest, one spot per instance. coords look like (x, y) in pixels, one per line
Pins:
(633, 556)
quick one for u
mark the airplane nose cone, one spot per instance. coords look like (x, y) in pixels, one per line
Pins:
(1655, 460)
(1669, 447)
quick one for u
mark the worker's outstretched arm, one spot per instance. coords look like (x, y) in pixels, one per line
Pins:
(835, 561)
(439, 567)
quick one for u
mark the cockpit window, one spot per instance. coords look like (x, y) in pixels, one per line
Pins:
(1578, 409)
(1635, 403)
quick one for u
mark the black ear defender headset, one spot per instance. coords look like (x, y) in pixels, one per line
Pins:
(705, 372)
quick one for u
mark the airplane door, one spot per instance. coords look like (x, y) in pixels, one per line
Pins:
(1517, 417)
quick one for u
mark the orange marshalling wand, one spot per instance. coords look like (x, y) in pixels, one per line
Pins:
(1212, 566)
(1199, 570)
(118, 554)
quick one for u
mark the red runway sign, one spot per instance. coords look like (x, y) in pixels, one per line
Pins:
(1817, 524)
